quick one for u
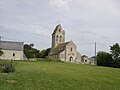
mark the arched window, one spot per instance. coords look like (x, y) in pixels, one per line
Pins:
(57, 38)
(60, 38)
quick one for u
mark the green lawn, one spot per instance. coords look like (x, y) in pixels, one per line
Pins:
(59, 76)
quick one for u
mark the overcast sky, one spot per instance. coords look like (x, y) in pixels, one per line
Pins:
(84, 21)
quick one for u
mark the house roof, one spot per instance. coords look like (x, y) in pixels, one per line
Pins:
(58, 49)
(84, 56)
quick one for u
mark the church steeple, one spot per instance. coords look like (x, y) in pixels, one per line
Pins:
(58, 36)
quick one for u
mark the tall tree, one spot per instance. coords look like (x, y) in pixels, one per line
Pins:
(115, 51)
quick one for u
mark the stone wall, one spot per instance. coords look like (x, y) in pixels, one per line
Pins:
(12, 54)
(78, 57)
(62, 56)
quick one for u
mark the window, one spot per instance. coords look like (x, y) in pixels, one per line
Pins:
(57, 38)
(85, 60)
(59, 30)
(13, 54)
(71, 49)
(60, 38)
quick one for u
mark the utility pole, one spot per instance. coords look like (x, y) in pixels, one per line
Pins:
(95, 53)
(95, 49)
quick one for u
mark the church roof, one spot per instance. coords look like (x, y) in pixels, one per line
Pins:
(58, 49)
(10, 45)
(56, 28)
(62, 45)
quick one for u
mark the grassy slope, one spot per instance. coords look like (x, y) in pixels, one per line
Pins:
(59, 76)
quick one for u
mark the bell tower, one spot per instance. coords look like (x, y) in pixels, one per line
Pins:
(58, 36)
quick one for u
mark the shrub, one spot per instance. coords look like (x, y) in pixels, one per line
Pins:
(6, 68)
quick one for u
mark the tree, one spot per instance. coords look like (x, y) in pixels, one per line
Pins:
(31, 52)
(115, 51)
(1, 52)
(44, 53)
(104, 59)
(31, 45)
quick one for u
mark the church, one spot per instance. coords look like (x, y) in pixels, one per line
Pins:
(64, 51)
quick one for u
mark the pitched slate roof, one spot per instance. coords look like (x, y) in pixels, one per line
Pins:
(10, 45)
(58, 49)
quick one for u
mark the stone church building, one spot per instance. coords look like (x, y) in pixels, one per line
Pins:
(65, 51)
(12, 50)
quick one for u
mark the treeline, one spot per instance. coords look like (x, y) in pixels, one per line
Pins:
(31, 52)
(111, 59)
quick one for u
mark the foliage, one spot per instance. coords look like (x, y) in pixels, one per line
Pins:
(116, 63)
(115, 51)
(6, 68)
(104, 59)
(1, 52)
(31, 52)
(35, 75)
(44, 53)
(111, 60)
(31, 45)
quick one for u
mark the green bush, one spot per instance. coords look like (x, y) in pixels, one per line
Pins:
(6, 68)
(104, 59)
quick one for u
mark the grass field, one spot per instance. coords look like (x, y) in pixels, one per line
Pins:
(59, 76)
